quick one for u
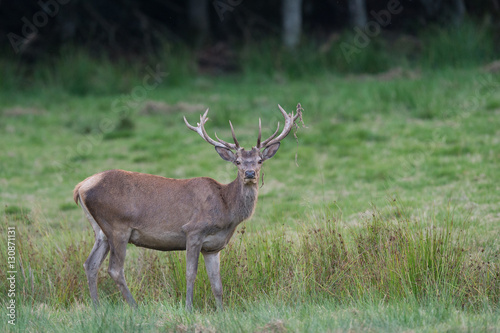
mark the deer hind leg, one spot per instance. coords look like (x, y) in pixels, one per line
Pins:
(93, 263)
(193, 248)
(118, 247)
(96, 256)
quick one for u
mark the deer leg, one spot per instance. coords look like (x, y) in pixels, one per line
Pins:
(94, 262)
(212, 265)
(193, 249)
(96, 256)
(118, 252)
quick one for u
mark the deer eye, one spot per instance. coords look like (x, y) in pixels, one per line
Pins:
(259, 161)
(238, 162)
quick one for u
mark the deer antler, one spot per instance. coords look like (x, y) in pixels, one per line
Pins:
(289, 122)
(200, 129)
(234, 145)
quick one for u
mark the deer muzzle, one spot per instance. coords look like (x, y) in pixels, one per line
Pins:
(249, 174)
(250, 177)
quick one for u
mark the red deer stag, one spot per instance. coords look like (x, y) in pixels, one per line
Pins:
(198, 215)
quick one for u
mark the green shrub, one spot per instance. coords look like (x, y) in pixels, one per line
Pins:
(468, 45)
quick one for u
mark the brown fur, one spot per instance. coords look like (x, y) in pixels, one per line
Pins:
(146, 206)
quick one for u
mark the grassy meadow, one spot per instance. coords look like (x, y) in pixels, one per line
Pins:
(382, 216)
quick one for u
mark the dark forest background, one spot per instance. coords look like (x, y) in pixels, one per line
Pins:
(133, 27)
(102, 46)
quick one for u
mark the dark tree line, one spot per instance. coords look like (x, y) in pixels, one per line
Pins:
(135, 27)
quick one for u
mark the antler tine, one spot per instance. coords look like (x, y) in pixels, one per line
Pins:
(200, 129)
(234, 145)
(265, 142)
(260, 134)
(289, 121)
(234, 136)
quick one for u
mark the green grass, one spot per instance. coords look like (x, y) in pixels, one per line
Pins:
(387, 274)
(264, 316)
(389, 223)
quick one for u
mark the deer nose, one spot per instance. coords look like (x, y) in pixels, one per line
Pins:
(250, 174)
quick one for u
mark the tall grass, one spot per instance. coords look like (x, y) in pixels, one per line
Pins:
(381, 259)
(471, 44)
(465, 46)
(79, 73)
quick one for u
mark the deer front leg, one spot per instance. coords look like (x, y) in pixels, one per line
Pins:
(212, 265)
(193, 248)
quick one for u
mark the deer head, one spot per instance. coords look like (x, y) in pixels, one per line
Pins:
(248, 162)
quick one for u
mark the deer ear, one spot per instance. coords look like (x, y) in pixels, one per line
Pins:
(226, 154)
(270, 151)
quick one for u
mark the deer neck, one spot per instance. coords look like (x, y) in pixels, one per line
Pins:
(243, 199)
